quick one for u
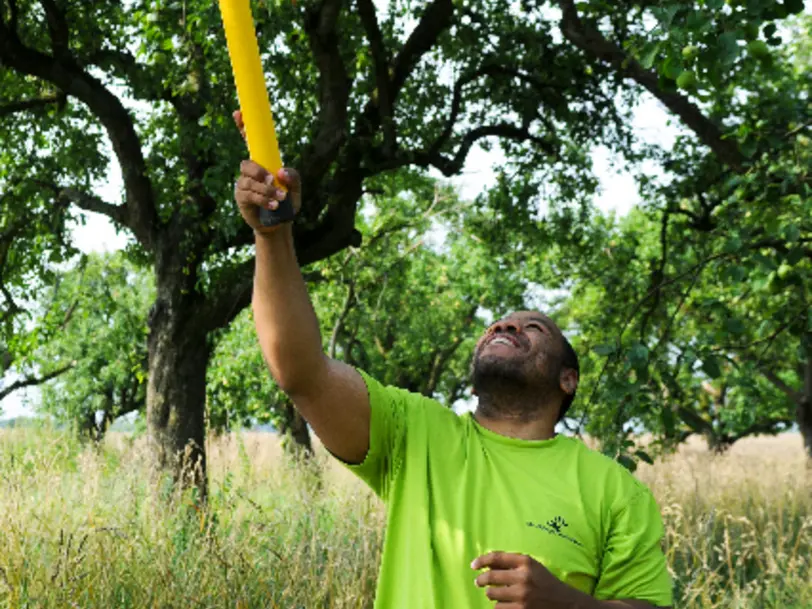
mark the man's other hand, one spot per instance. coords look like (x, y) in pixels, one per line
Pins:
(517, 581)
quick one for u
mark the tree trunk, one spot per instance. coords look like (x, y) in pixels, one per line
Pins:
(295, 433)
(717, 444)
(804, 410)
(805, 423)
(176, 393)
(87, 427)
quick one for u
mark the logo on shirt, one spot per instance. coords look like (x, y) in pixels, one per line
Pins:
(555, 526)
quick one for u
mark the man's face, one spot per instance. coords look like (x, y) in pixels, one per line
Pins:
(523, 350)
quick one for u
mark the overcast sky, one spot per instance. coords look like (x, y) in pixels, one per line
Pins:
(618, 192)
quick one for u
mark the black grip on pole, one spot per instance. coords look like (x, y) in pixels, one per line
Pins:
(280, 215)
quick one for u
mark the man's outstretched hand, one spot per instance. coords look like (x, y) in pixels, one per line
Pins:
(255, 188)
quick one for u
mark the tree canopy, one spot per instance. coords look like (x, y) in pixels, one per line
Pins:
(361, 91)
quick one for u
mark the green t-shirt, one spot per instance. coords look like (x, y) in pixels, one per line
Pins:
(455, 491)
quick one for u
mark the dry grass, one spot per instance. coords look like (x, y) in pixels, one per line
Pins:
(88, 528)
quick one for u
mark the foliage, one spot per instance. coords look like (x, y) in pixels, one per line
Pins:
(418, 86)
(696, 306)
(104, 302)
(409, 86)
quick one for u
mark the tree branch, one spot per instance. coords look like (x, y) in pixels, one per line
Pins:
(228, 298)
(88, 202)
(381, 62)
(435, 20)
(334, 89)
(342, 317)
(591, 41)
(8, 235)
(13, 307)
(68, 76)
(15, 17)
(456, 106)
(57, 28)
(31, 381)
(452, 166)
(657, 274)
(144, 83)
(30, 104)
(794, 395)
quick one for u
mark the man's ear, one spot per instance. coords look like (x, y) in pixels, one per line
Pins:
(568, 380)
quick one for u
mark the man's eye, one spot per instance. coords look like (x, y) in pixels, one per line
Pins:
(536, 326)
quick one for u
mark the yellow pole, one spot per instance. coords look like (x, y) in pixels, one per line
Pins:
(250, 81)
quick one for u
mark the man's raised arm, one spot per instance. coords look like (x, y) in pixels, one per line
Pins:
(329, 394)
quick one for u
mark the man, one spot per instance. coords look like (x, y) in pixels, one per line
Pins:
(490, 506)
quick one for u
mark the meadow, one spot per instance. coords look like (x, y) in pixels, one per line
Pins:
(89, 527)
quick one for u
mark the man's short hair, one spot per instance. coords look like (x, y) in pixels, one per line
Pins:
(568, 360)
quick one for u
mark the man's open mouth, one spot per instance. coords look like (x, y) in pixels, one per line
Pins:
(504, 339)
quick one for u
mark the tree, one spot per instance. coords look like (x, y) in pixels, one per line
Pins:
(29, 249)
(688, 302)
(385, 95)
(103, 346)
(688, 368)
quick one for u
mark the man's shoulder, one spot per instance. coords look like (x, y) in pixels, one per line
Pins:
(407, 399)
(609, 474)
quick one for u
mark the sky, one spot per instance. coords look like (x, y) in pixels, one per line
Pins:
(618, 193)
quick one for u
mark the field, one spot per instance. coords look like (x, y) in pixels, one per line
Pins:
(84, 527)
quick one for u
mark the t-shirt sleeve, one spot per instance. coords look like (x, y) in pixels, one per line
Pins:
(387, 435)
(633, 565)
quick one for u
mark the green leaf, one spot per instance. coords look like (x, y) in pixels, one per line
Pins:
(795, 255)
(727, 48)
(649, 54)
(735, 326)
(792, 232)
(736, 273)
(794, 6)
(749, 148)
(605, 349)
(638, 355)
(671, 68)
(710, 364)
(669, 421)
(644, 456)
(627, 462)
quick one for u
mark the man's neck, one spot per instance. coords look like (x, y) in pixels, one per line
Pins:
(514, 420)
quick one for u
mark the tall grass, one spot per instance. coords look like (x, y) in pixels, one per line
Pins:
(85, 527)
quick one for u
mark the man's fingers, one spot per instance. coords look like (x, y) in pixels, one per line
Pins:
(263, 188)
(506, 594)
(499, 577)
(289, 178)
(253, 170)
(500, 560)
(239, 122)
(247, 197)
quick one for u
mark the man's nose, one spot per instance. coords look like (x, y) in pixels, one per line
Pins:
(505, 326)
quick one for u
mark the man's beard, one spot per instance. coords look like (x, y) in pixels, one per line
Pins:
(506, 388)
